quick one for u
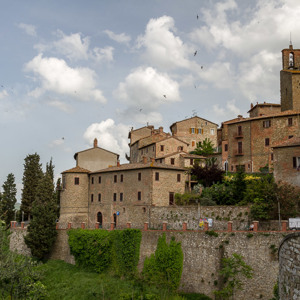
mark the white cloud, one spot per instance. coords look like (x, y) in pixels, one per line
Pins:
(162, 47)
(103, 54)
(3, 94)
(29, 29)
(73, 46)
(145, 90)
(230, 112)
(120, 38)
(56, 76)
(111, 136)
(57, 142)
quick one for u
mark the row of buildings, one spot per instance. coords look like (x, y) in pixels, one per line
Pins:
(101, 190)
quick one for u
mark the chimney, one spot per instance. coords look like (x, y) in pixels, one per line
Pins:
(161, 129)
(118, 164)
(251, 105)
(95, 143)
(144, 159)
(240, 116)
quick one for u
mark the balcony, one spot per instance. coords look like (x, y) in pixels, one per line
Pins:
(238, 135)
(238, 153)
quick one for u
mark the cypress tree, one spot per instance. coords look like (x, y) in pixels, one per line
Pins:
(8, 199)
(42, 228)
(31, 177)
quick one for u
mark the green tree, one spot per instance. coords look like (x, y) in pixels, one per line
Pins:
(204, 148)
(31, 177)
(239, 186)
(232, 271)
(42, 228)
(8, 199)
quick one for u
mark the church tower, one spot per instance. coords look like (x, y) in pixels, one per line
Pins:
(290, 79)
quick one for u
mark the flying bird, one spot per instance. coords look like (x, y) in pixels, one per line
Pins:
(197, 17)
(141, 109)
(201, 67)
(195, 53)
(165, 96)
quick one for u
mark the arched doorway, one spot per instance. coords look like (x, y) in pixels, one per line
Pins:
(99, 219)
(115, 220)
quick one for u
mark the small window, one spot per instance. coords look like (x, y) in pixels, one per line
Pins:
(171, 198)
(144, 210)
(172, 161)
(212, 131)
(161, 160)
(272, 156)
(99, 179)
(99, 197)
(92, 197)
(291, 136)
(178, 177)
(290, 121)
(200, 131)
(139, 176)
(157, 176)
(267, 123)
(296, 163)
(191, 161)
(226, 147)
(139, 195)
(115, 178)
(115, 196)
(239, 130)
(92, 180)
(162, 147)
(267, 142)
(240, 147)
(76, 180)
(121, 178)
(121, 197)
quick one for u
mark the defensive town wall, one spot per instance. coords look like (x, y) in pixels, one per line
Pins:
(202, 255)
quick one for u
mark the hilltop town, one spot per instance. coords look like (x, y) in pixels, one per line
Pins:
(99, 190)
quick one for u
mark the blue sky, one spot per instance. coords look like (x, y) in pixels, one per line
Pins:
(74, 70)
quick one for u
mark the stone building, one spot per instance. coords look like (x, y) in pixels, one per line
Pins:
(248, 142)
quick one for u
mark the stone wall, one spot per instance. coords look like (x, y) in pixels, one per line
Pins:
(202, 257)
(289, 267)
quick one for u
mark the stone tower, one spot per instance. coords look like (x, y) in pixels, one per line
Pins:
(290, 79)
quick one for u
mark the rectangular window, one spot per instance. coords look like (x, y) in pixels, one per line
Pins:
(115, 196)
(192, 130)
(267, 123)
(272, 156)
(99, 197)
(121, 179)
(99, 179)
(226, 147)
(171, 198)
(92, 180)
(157, 176)
(212, 131)
(161, 147)
(92, 197)
(178, 177)
(296, 163)
(139, 176)
(267, 142)
(121, 197)
(200, 131)
(240, 147)
(239, 130)
(290, 121)
(191, 161)
(161, 160)
(115, 178)
(76, 180)
(172, 161)
(139, 195)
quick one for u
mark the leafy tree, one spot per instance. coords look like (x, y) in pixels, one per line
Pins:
(204, 148)
(239, 186)
(207, 175)
(8, 199)
(42, 229)
(232, 271)
(31, 177)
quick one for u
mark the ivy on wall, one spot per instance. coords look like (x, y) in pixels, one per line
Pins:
(102, 250)
(164, 267)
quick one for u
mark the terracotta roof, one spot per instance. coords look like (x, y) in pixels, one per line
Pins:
(195, 156)
(164, 139)
(137, 166)
(132, 130)
(292, 142)
(189, 119)
(76, 170)
(265, 104)
(281, 114)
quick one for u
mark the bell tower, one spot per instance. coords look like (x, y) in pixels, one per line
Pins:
(290, 79)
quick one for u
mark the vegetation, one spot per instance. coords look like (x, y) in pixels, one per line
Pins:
(8, 199)
(164, 267)
(31, 177)
(42, 228)
(232, 270)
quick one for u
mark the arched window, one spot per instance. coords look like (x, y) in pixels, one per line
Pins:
(99, 219)
(291, 60)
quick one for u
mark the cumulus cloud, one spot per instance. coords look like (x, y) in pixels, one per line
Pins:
(120, 38)
(103, 54)
(111, 136)
(162, 47)
(29, 29)
(145, 90)
(56, 76)
(230, 111)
